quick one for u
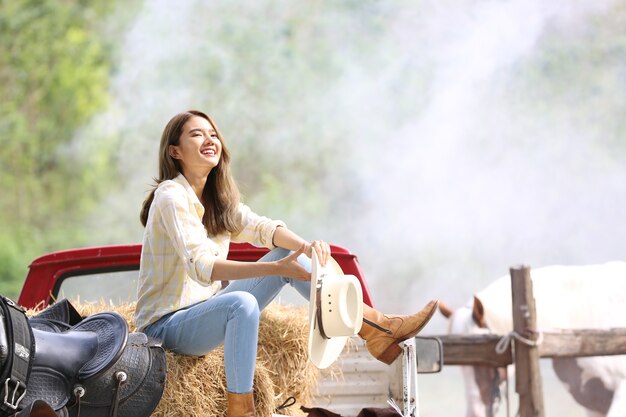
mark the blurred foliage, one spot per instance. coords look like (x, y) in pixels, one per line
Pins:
(55, 66)
(283, 57)
(576, 78)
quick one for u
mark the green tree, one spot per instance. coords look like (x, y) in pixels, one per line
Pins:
(54, 74)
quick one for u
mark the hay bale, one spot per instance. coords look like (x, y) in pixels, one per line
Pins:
(283, 351)
(197, 386)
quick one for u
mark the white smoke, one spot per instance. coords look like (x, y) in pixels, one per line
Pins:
(469, 186)
(449, 172)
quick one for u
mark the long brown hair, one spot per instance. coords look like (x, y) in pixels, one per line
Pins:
(220, 196)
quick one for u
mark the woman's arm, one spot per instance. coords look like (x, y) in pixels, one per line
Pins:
(285, 238)
(224, 269)
(287, 267)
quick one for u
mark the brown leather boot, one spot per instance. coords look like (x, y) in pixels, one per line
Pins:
(383, 332)
(240, 405)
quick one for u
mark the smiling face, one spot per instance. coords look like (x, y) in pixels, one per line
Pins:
(199, 148)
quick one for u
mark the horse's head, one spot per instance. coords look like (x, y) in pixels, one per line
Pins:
(483, 384)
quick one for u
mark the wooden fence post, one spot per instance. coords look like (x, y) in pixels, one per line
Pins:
(527, 375)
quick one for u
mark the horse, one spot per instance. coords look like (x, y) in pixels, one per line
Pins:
(566, 297)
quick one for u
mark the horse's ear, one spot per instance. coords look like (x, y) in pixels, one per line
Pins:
(478, 313)
(445, 310)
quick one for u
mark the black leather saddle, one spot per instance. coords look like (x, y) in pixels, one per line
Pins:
(68, 358)
(90, 365)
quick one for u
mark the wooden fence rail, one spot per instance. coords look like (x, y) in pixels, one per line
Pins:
(481, 349)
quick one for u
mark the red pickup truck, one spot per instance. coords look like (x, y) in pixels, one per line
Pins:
(110, 273)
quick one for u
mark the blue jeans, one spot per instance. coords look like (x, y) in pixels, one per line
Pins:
(230, 317)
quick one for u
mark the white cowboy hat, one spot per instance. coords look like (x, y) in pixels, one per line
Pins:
(335, 311)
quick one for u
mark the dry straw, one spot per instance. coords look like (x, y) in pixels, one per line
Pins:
(196, 387)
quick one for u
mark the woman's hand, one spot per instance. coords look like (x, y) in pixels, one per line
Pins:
(289, 266)
(321, 248)
(285, 238)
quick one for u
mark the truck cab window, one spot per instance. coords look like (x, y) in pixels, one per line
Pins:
(114, 287)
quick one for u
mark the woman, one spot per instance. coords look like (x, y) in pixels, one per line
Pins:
(190, 218)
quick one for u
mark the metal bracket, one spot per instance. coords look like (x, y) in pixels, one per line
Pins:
(430, 351)
(410, 398)
(13, 403)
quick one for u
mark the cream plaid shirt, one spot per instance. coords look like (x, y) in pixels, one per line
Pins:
(177, 256)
